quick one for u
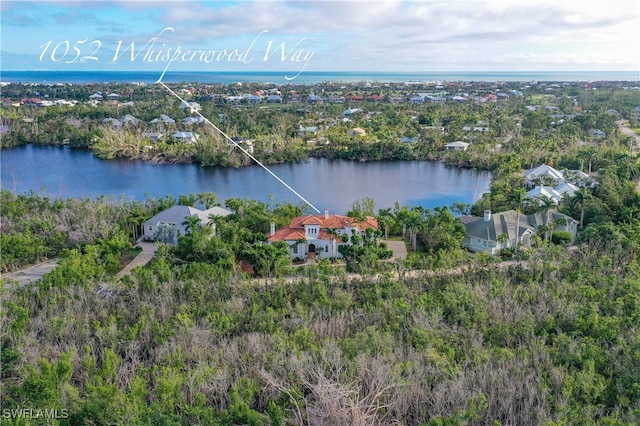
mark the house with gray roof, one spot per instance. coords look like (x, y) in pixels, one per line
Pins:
(164, 119)
(129, 119)
(456, 146)
(497, 231)
(168, 224)
(186, 137)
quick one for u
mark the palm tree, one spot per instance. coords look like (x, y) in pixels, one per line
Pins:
(589, 154)
(545, 204)
(413, 223)
(385, 218)
(191, 224)
(519, 196)
(580, 200)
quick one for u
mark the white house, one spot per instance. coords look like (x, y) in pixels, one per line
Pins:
(543, 173)
(319, 235)
(172, 220)
(456, 146)
(545, 192)
(547, 175)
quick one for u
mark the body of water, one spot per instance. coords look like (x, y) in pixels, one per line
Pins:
(308, 77)
(334, 184)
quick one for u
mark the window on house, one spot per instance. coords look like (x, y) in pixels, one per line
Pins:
(151, 228)
(294, 248)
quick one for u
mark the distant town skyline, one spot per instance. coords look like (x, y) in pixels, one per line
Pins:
(310, 35)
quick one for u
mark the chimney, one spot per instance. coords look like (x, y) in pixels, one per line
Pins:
(326, 213)
(487, 215)
(273, 229)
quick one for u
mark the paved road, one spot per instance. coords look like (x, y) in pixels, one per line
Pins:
(148, 250)
(32, 273)
(627, 131)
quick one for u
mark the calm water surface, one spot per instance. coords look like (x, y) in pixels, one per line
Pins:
(333, 184)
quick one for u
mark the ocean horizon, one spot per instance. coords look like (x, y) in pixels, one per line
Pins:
(308, 77)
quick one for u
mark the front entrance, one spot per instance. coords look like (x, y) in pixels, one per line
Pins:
(312, 252)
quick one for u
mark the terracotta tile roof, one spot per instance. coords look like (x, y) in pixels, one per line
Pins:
(287, 234)
(296, 229)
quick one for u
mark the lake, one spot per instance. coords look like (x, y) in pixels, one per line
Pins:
(333, 184)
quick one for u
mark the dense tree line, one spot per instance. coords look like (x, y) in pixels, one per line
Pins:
(550, 341)
(442, 337)
(536, 127)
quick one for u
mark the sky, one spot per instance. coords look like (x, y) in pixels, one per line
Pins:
(318, 35)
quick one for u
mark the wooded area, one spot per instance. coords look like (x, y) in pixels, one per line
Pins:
(543, 335)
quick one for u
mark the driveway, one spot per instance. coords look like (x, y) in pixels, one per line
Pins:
(31, 274)
(399, 249)
(148, 250)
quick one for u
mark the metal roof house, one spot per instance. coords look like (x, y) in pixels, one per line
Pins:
(497, 231)
(173, 218)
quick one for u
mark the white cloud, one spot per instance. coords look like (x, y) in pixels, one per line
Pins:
(375, 35)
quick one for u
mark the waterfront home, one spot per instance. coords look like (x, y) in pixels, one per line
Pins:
(114, 123)
(497, 231)
(539, 193)
(319, 235)
(544, 174)
(154, 136)
(186, 137)
(556, 194)
(547, 175)
(306, 131)
(456, 146)
(168, 225)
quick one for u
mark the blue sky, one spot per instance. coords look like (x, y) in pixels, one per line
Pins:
(320, 35)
